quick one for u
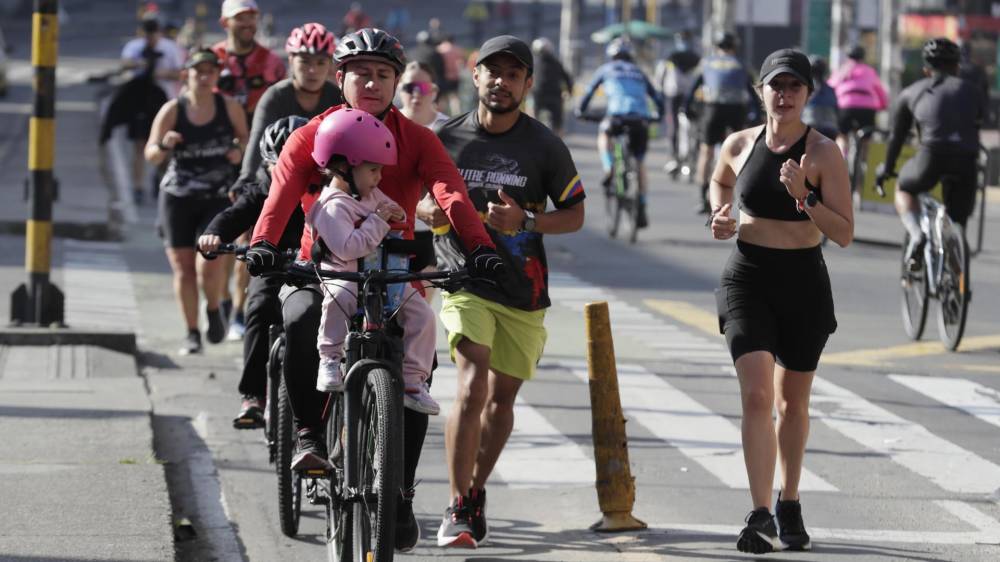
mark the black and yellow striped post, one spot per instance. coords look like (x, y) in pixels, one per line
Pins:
(39, 301)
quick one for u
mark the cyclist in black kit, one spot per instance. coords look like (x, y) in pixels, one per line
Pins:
(948, 112)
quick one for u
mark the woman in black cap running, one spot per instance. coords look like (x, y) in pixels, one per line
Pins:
(775, 302)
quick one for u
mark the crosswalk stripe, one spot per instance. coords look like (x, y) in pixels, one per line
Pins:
(968, 396)
(909, 444)
(537, 455)
(696, 431)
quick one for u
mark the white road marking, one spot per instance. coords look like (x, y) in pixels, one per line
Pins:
(968, 396)
(537, 455)
(696, 431)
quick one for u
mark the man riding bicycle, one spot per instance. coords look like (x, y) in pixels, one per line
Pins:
(626, 88)
(369, 63)
(948, 112)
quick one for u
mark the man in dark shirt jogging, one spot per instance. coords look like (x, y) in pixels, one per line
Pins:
(512, 165)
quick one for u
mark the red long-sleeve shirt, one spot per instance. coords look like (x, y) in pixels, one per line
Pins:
(422, 160)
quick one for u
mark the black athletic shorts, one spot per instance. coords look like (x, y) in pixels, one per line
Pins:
(777, 301)
(855, 118)
(181, 220)
(721, 119)
(956, 172)
(637, 130)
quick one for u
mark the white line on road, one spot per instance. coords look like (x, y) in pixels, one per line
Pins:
(906, 443)
(696, 431)
(968, 396)
(538, 454)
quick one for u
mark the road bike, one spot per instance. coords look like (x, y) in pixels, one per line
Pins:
(941, 272)
(364, 423)
(621, 195)
(279, 425)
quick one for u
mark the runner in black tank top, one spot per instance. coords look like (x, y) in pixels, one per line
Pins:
(203, 160)
(775, 302)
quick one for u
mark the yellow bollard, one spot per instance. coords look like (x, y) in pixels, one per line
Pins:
(615, 485)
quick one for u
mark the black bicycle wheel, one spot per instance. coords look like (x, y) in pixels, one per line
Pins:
(953, 292)
(289, 481)
(611, 215)
(339, 516)
(380, 462)
(630, 198)
(274, 359)
(914, 296)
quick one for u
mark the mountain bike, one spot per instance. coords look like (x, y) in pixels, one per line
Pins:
(621, 195)
(941, 273)
(279, 426)
(364, 423)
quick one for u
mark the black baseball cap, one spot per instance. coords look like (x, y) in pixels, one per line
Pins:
(510, 45)
(200, 55)
(786, 61)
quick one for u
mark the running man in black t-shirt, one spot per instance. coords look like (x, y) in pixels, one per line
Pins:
(513, 166)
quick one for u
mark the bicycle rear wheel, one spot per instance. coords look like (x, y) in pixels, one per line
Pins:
(953, 292)
(914, 296)
(289, 481)
(380, 452)
(630, 199)
(339, 515)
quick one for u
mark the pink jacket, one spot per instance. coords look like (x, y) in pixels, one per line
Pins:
(350, 228)
(858, 87)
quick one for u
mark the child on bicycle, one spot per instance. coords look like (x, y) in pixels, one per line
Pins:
(351, 217)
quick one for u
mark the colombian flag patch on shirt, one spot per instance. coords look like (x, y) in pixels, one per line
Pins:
(573, 188)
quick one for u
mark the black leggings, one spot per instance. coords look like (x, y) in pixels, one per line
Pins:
(263, 308)
(956, 172)
(301, 312)
(778, 301)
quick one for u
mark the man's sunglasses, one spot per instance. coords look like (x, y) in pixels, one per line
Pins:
(423, 87)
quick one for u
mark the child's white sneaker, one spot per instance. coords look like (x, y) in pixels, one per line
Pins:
(331, 378)
(418, 398)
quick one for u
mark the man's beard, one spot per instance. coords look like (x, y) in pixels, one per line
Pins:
(484, 99)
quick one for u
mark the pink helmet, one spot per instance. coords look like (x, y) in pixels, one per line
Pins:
(356, 135)
(311, 38)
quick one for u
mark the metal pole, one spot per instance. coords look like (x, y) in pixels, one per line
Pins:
(890, 57)
(843, 18)
(569, 42)
(38, 301)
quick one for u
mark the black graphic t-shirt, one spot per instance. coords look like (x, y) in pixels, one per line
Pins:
(533, 166)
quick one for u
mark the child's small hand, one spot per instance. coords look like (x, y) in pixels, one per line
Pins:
(390, 212)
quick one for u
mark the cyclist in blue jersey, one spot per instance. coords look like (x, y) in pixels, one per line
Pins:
(626, 87)
(728, 97)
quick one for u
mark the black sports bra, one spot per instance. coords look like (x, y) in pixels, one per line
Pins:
(761, 192)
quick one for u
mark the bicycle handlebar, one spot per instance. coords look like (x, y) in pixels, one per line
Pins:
(309, 272)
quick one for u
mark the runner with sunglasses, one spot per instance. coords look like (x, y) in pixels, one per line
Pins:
(418, 95)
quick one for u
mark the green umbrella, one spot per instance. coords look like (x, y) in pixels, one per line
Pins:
(636, 29)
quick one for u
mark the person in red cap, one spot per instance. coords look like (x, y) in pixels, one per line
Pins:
(249, 67)
(369, 63)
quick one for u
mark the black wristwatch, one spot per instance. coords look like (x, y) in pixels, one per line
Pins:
(811, 200)
(529, 222)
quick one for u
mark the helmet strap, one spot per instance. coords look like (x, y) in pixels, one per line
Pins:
(348, 176)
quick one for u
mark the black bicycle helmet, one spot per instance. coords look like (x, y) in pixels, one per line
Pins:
(275, 135)
(941, 51)
(372, 44)
(856, 52)
(725, 40)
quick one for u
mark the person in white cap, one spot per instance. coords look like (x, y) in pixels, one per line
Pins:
(249, 67)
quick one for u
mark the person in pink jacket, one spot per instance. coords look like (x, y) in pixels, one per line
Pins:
(352, 216)
(859, 95)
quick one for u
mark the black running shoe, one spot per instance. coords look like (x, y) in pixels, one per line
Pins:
(606, 181)
(760, 535)
(477, 520)
(791, 529)
(251, 414)
(311, 453)
(216, 326)
(641, 220)
(456, 527)
(407, 528)
(192, 343)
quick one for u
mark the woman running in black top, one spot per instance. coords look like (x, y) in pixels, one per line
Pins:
(775, 302)
(203, 135)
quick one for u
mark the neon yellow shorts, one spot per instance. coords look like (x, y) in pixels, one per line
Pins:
(516, 337)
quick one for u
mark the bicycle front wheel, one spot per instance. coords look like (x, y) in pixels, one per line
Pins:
(953, 292)
(289, 481)
(612, 211)
(914, 297)
(380, 462)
